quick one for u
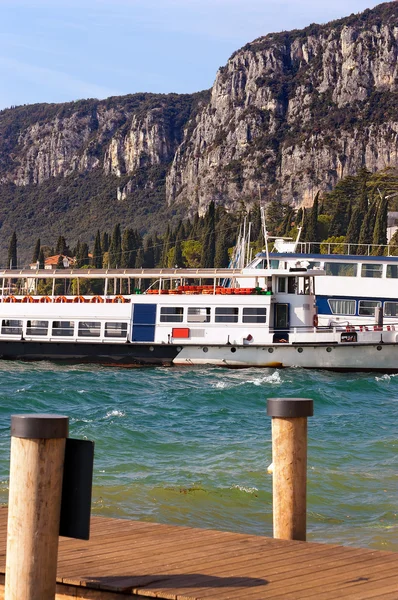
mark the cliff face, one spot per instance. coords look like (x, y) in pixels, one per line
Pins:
(293, 112)
(288, 115)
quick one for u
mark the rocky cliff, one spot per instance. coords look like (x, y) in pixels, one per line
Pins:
(288, 115)
(293, 112)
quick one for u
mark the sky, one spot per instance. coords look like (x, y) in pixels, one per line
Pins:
(64, 50)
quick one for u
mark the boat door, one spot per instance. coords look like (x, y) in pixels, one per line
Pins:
(281, 316)
(144, 319)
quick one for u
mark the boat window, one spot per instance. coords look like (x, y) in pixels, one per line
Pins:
(261, 264)
(371, 271)
(254, 315)
(304, 285)
(291, 285)
(198, 314)
(341, 269)
(367, 307)
(392, 271)
(171, 314)
(342, 307)
(63, 328)
(391, 309)
(11, 327)
(314, 264)
(274, 264)
(89, 329)
(282, 285)
(226, 314)
(116, 330)
(37, 328)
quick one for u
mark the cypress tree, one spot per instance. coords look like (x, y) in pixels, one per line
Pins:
(115, 248)
(12, 252)
(209, 239)
(139, 261)
(36, 251)
(221, 258)
(367, 228)
(97, 258)
(149, 255)
(380, 230)
(105, 242)
(312, 227)
(178, 257)
(41, 259)
(129, 249)
(60, 262)
(164, 261)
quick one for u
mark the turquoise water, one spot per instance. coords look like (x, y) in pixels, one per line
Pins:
(192, 445)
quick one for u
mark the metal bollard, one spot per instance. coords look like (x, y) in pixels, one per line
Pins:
(36, 471)
(289, 457)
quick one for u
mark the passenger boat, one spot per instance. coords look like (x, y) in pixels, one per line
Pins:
(185, 317)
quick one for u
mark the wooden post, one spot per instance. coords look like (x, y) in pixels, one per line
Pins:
(36, 471)
(289, 457)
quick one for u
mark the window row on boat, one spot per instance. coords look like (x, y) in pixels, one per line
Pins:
(217, 314)
(34, 327)
(365, 308)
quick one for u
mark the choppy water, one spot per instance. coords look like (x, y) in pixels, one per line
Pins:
(192, 445)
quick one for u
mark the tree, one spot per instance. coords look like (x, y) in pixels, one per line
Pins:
(41, 259)
(368, 225)
(62, 247)
(82, 258)
(36, 251)
(149, 254)
(380, 230)
(312, 227)
(357, 218)
(115, 248)
(221, 258)
(60, 262)
(12, 252)
(178, 257)
(128, 249)
(97, 252)
(105, 242)
(209, 239)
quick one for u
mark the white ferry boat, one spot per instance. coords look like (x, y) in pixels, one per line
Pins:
(269, 320)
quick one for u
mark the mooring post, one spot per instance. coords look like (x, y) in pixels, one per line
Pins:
(289, 457)
(34, 505)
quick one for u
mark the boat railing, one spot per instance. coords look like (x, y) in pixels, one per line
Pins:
(347, 248)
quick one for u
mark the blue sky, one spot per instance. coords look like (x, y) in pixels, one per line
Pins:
(62, 50)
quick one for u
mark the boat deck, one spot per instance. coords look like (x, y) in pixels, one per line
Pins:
(126, 559)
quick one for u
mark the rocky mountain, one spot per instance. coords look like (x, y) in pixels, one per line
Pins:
(289, 115)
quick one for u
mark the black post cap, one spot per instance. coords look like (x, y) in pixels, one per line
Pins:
(290, 407)
(39, 426)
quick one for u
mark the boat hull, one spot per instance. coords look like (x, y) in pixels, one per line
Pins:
(338, 357)
(105, 353)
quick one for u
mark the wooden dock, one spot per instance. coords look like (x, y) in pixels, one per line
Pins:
(136, 559)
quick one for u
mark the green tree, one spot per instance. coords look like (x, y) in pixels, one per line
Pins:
(41, 259)
(221, 258)
(368, 225)
(36, 251)
(97, 252)
(12, 252)
(209, 239)
(105, 242)
(380, 230)
(115, 248)
(312, 234)
(128, 249)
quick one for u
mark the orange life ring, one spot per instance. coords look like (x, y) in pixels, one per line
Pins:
(61, 299)
(98, 299)
(315, 320)
(119, 299)
(45, 299)
(10, 299)
(79, 299)
(28, 299)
